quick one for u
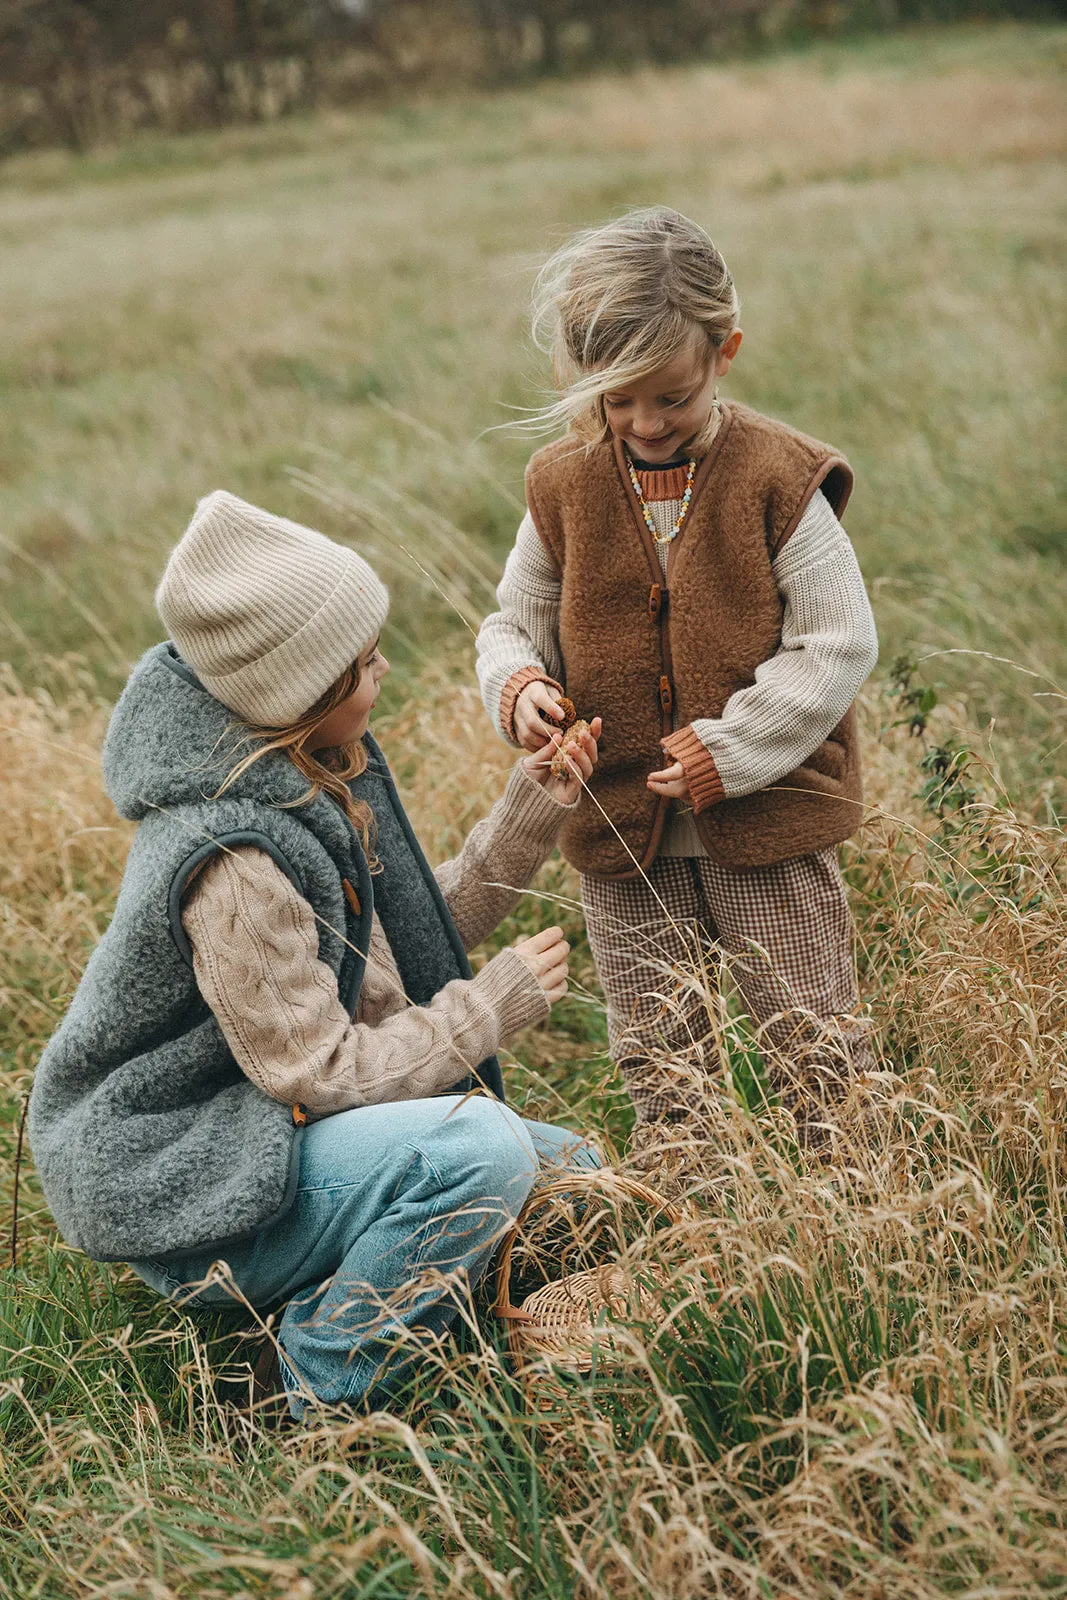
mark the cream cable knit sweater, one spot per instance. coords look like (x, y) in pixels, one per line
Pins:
(829, 648)
(255, 954)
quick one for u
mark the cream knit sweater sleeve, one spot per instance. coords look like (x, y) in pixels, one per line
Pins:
(829, 648)
(524, 633)
(255, 955)
(500, 855)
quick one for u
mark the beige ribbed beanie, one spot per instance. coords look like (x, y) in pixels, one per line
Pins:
(267, 613)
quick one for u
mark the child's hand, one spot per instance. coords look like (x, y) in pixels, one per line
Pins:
(546, 956)
(671, 783)
(531, 730)
(581, 758)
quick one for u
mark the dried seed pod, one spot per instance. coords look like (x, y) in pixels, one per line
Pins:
(570, 716)
(573, 732)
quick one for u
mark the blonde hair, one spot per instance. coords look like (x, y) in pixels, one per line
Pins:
(325, 776)
(620, 301)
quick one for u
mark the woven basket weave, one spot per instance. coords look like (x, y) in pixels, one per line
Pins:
(571, 1323)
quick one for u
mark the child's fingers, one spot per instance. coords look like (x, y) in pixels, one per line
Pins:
(543, 940)
(580, 762)
(538, 697)
(534, 736)
(588, 737)
(583, 750)
(671, 784)
(546, 954)
(546, 699)
(554, 983)
(572, 755)
(544, 752)
(558, 957)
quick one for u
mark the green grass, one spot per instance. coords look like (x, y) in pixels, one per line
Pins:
(852, 1388)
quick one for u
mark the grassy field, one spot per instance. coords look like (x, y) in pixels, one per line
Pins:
(859, 1386)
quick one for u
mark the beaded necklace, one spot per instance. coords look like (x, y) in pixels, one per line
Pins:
(663, 538)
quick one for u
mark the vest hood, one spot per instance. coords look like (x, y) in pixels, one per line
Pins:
(171, 743)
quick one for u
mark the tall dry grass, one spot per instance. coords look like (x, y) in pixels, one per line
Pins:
(856, 1382)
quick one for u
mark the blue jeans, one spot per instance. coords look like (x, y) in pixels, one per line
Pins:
(397, 1212)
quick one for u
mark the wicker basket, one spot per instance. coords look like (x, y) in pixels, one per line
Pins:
(571, 1323)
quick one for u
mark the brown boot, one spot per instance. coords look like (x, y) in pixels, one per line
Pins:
(270, 1403)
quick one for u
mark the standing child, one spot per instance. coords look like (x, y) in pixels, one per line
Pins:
(681, 570)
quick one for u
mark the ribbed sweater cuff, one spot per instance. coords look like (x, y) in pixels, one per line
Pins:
(702, 775)
(511, 692)
(530, 811)
(510, 988)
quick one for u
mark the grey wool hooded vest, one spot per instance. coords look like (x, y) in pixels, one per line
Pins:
(149, 1139)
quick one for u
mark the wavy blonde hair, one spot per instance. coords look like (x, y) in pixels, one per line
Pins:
(325, 776)
(620, 301)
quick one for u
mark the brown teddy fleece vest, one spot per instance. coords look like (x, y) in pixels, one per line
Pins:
(648, 656)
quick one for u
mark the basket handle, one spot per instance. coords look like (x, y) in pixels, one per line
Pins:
(603, 1178)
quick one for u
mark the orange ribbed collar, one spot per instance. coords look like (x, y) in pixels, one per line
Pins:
(663, 484)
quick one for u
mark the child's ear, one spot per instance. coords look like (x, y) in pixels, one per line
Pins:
(727, 350)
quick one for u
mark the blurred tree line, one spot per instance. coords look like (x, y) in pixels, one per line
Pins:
(81, 72)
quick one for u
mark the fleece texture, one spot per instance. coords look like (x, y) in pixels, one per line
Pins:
(149, 1140)
(649, 656)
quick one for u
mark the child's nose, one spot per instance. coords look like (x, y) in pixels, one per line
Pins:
(648, 422)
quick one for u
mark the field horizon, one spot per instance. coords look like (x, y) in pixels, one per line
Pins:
(855, 1380)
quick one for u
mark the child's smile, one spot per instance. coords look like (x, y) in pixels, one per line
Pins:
(657, 416)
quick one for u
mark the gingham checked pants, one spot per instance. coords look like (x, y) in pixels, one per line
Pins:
(785, 934)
